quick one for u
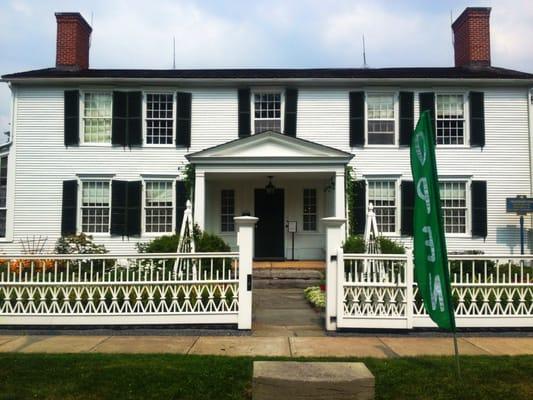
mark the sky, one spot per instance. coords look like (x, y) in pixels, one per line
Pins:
(244, 33)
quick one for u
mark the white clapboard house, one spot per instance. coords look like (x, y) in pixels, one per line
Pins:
(105, 151)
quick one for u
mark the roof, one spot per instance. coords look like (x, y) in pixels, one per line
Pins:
(270, 147)
(278, 73)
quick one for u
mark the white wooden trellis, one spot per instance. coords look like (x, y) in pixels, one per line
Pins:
(372, 267)
(186, 244)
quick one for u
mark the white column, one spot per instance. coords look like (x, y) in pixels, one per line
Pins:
(334, 267)
(340, 198)
(245, 242)
(199, 199)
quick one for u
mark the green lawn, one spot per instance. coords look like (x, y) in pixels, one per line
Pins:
(97, 376)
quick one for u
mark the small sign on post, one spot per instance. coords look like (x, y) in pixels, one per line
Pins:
(292, 227)
(521, 205)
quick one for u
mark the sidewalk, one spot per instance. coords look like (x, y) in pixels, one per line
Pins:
(279, 346)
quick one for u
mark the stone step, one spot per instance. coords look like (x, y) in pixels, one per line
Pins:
(286, 278)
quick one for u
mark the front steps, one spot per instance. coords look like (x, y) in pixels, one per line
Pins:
(287, 274)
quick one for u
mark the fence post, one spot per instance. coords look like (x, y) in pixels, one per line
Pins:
(245, 242)
(334, 238)
(409, 282)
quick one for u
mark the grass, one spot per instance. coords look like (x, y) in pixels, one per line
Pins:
(98, 376)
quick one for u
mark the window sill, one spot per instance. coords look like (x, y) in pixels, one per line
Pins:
(96, 145)
(381, 146)
(452, 146)
(167, 146)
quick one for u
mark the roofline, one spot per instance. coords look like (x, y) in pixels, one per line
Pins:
(517, 81)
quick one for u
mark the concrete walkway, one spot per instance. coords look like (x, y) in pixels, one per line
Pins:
(368, 346)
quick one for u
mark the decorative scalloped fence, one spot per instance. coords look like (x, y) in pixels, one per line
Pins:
(378, 291)
(111, 290)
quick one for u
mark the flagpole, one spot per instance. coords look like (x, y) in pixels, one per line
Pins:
(456, 348)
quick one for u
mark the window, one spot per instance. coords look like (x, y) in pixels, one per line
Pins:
(95, 206)
(380, 121)
(3, 195)
(227, 210)
(453, 203)
(309, 209)
(159, 118)
(159, 208)
(450, 119)
(97, 117)
(382, 194)
(267, 112)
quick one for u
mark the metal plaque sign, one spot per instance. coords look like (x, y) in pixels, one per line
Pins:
(520, 205)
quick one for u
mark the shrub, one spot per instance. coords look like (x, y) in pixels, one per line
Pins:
(315, 296)
(204, 241)
(161, 244)
(389, 246)
(354, 244)
(78, 244)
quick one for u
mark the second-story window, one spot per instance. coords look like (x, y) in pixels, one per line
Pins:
(158, 206)
(95, 204)
(159, 118)
(267, 112)
(97, 117)
(450, 119)
(380, 121)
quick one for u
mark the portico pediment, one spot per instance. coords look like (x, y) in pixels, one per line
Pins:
(270, 147)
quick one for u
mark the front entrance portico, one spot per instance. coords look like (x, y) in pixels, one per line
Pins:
(307, 184)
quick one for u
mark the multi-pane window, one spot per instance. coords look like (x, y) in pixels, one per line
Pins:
(159, 118)
(3, 195)
(95, 202)
(267, 112)
(97, 117)
(310, 210)
(227, 210)
(380, 119)
(382, 194)
(453, 203)
(450, 119)
(158, 206)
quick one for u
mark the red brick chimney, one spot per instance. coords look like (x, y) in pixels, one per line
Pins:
(72, 46)
(471, 37)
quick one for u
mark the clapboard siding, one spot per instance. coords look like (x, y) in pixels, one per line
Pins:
(42, 162)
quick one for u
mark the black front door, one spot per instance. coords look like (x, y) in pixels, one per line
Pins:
(269, 232)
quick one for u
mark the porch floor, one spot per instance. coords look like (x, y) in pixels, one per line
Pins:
(297, 264)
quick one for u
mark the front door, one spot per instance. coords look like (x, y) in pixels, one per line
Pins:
(269, 232)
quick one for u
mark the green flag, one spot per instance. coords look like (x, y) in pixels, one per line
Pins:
(431, 262)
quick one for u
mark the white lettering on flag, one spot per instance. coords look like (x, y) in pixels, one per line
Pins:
(421, 148)
(423, 192)
(437, 298)
(429, 243)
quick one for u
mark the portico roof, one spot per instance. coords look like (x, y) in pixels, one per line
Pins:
(270, 148)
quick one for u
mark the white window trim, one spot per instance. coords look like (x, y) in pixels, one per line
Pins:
(89, 178)
(281, 91)
(466, 117)
(7, 206)
(143, 200)
(397, 199)
(144, 124)
(82, 118)
(395, 93)
(468, 199)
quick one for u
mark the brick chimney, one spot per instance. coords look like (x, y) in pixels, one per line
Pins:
(471, 37)
(72, 46)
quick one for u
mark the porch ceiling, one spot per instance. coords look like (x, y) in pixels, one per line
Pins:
(270, 148)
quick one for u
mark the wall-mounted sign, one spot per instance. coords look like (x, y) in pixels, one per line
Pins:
(291, 226)
(520, 205)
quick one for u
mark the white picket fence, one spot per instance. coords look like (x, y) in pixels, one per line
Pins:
(378, 291)
(128, 289)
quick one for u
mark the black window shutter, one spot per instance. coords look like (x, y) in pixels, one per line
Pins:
(135, 136)
(244, 113)
(183, 119)
(357, 119)
(134, 207)
(479, 208)
(69, 209)
(291, 106)
(477, 119)
(427, 102)
(119, 205)
(358, 219)
(408, 204)
(120, 116)
(181, 200)
(406, 117)
(72, 117)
